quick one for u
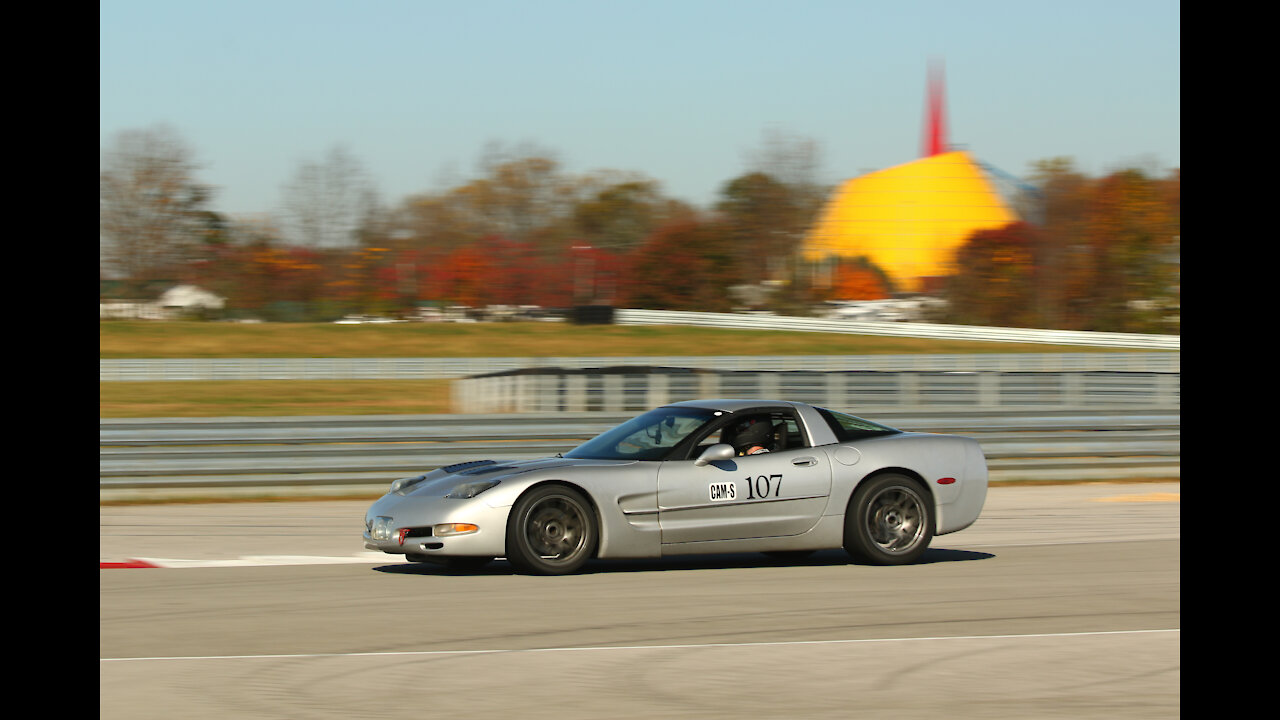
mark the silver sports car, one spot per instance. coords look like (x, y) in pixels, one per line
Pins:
(704, 476)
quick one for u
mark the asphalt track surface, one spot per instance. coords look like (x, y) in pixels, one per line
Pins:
(1061, 602)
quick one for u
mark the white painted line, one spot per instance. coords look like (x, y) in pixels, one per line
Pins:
(781, 643)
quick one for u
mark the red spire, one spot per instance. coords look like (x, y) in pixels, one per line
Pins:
(935, 130)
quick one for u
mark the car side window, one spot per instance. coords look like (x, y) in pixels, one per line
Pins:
(759, 432)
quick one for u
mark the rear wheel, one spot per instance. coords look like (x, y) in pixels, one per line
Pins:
(889, 521)
(551, 531)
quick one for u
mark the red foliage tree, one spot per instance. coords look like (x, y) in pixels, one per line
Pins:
(684, 265)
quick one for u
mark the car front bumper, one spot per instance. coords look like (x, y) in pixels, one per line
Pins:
(406, 524)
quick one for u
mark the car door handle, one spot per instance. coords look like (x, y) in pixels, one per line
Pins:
(804, 461)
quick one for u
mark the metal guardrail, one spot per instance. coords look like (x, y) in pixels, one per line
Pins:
(155, 458)
(900, 329)
(214, 369)
(623, 389)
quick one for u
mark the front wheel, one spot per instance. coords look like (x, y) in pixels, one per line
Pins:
(889, 521)
(551, 531)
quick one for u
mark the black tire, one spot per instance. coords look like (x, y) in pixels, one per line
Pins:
(889, 521)
(453, 563)
(551, 530)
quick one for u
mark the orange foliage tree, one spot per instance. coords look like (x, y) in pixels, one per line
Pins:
(998, 285)
(1104, 258)
(858, 279)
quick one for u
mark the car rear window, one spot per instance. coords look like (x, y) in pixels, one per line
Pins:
(848, 427)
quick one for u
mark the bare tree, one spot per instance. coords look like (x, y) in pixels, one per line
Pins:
(327, 203)
(796, 162)
(150, 208)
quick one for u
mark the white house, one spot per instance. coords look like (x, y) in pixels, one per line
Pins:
(189, 298)
(176, 302)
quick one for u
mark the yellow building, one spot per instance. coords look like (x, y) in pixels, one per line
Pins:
(909, 219)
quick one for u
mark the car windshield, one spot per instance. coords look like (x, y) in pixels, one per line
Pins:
(650, 436)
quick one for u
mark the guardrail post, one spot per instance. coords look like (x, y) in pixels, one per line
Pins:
(908, 389)
(709, 384)
(521, 393)
(767, 383)
(1071, 386)
(837, 390)
(657, 390)
(989, 389)
(1167, 389)
(575, 393)
(613, 396)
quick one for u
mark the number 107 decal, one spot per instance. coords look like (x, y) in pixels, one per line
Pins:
(761, 486)
(758, 488)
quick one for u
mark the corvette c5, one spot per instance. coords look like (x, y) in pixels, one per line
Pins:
(703, 476)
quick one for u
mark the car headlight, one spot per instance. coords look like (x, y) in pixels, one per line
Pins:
(381, 528)
(470, 489)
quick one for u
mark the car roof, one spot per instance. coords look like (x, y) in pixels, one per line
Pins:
(732, 405)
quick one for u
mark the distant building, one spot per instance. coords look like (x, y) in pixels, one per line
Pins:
(190, 299)
(910, 219)
(177, 302)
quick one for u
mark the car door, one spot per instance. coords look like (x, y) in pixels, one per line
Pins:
(768, 495)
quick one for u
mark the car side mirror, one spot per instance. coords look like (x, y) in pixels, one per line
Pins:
(719, 451)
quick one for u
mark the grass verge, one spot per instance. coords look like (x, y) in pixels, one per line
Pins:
(128, 339)
(259, 398)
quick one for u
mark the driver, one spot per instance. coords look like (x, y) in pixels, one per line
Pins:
(752, 436)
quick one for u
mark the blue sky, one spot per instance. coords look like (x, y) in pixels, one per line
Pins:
(682, 91)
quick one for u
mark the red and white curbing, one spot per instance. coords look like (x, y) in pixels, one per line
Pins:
(247, 561)
(105, 565)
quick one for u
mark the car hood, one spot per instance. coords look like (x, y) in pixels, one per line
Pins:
(442, 480)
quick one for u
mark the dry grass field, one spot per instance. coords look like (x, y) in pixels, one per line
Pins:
(375, 397)
(515, 339)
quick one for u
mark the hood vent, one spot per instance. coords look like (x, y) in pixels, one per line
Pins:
(459, 467)
(488, 469)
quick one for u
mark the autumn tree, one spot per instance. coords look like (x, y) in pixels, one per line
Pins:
(998, 283)
(151, 210)
(858, 279)
(465, 277)
(519, 194)
(1131, 233)
(1064, 206)
(761, 217)
(621, 215)
(795, 161)
(767, 211)
(683, 265)
(1105, 258)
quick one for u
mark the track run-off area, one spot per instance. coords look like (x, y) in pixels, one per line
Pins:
(1061, 601)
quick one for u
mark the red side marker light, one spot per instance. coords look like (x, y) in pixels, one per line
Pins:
(946, 481)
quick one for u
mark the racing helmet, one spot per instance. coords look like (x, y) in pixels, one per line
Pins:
(750, 432)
